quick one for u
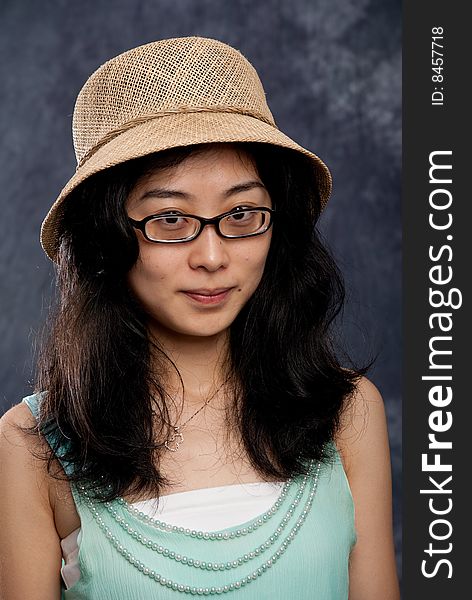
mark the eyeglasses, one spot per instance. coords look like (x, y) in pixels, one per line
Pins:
(173, 226)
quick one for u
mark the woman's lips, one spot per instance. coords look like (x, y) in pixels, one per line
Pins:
(209, 296)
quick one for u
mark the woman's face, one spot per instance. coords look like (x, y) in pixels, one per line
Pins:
(206, 184)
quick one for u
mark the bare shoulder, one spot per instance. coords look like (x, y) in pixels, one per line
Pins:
(364, 448)
(26, 513)
(19, 414)
(16, 417)
(22, 457)
(11, 436)
(19, 450)
(363, 426)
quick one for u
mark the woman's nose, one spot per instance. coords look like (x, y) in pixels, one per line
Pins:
(209, 250)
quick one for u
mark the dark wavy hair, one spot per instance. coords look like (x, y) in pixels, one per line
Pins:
(103, 374)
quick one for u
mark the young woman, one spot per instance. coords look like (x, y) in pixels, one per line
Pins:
(192, 431)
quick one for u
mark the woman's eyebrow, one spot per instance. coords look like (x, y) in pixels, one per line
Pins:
(244, 187)
(170, 193)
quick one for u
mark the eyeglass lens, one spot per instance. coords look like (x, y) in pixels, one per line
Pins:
(178, 227)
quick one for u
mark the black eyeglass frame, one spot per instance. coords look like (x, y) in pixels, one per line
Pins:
(141, 225)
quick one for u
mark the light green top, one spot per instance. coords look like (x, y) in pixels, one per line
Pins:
(300, 551)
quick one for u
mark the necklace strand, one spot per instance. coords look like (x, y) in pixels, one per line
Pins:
(206, 591)
(177, 437)
(208, 535)
(209, 565)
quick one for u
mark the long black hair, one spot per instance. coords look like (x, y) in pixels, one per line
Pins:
(101, 373)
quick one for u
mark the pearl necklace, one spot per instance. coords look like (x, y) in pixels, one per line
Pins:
(206, 591)
(206, 534)
(202, 564)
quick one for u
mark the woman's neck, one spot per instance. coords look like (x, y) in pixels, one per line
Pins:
(200, 361)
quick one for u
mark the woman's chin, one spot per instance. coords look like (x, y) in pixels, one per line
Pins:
(187, 333)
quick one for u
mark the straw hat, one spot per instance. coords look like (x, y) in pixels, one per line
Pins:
(168, 93)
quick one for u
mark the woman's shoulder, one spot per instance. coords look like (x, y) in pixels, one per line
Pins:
(26, 515)
(21, 416)
(362, 425)
(22, 443)
(24, 454)
(23, 475)
(24, 459)
(12, 425)
(20, 450)
(364, 448)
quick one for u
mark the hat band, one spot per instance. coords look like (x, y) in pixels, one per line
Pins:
(165, 113)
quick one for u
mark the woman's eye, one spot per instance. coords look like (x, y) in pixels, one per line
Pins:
(241, 215)
(168, 222)
(172, 220)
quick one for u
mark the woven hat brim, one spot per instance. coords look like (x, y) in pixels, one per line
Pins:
(171, 131)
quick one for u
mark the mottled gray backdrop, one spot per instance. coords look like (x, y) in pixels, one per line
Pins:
(332, 73)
